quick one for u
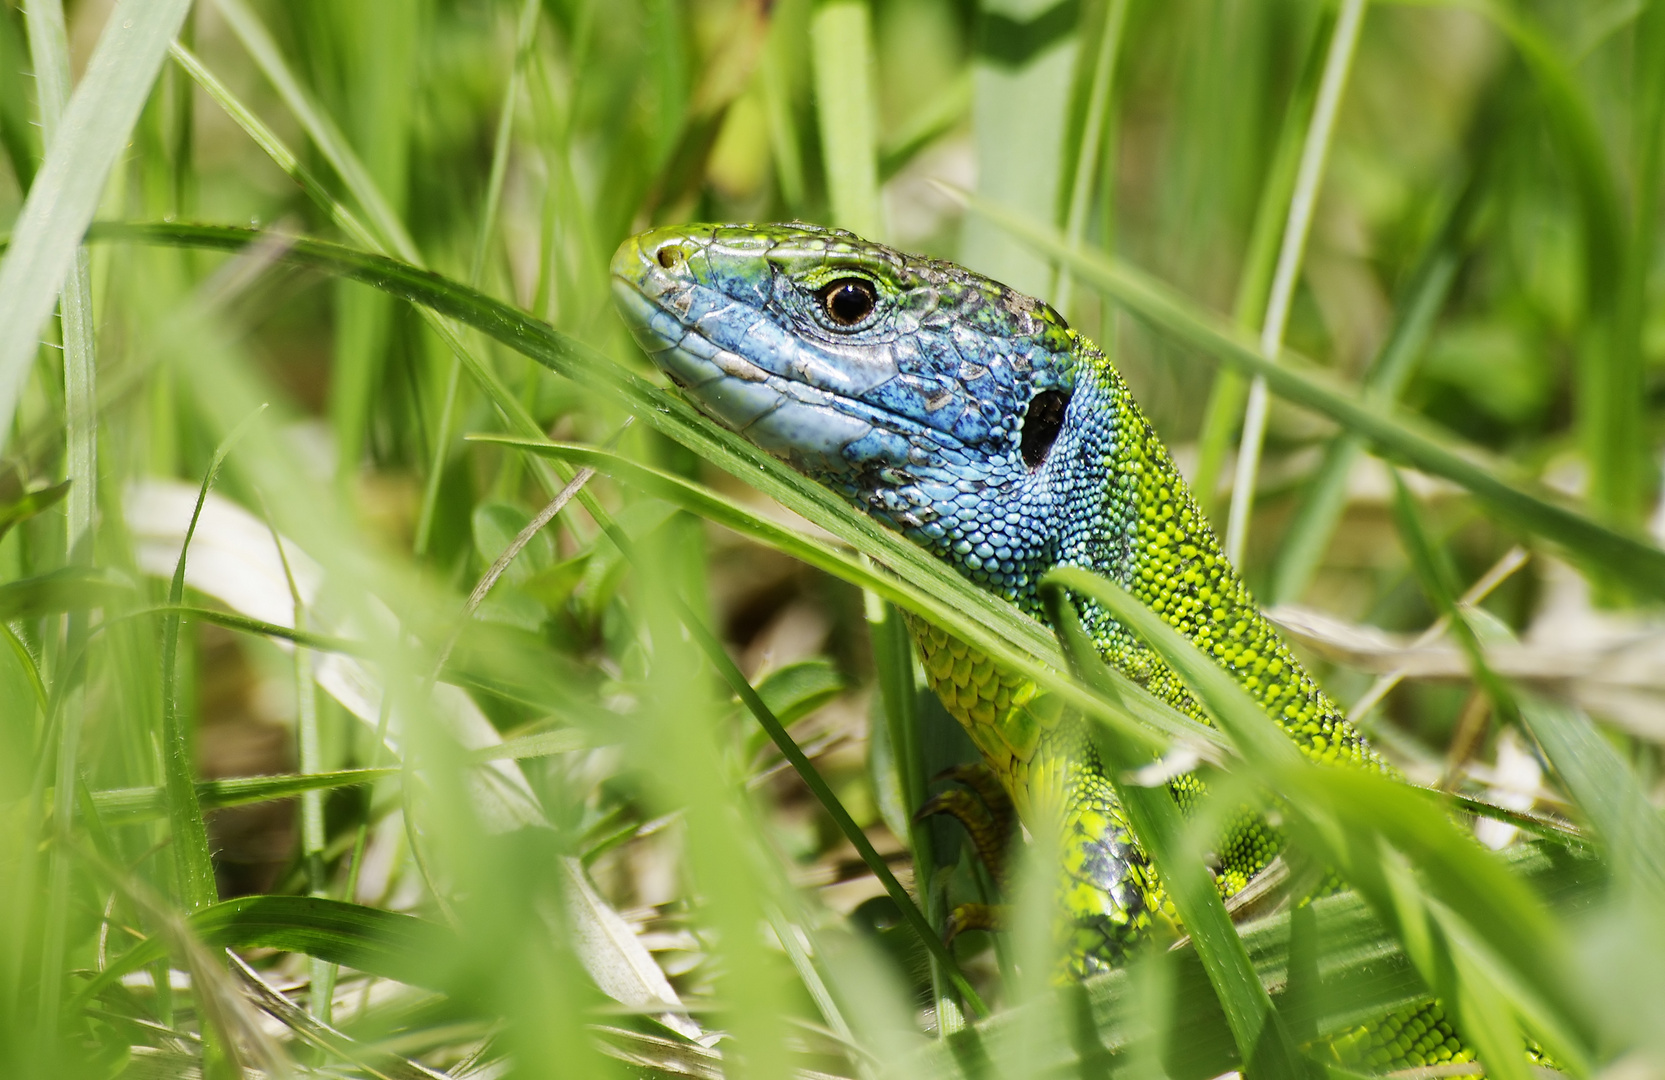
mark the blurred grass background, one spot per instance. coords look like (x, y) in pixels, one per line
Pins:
(537, 834)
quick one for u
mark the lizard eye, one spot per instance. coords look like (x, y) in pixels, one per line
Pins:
(1041, 424)
(848, 301)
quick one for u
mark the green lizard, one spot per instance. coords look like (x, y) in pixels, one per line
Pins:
(973, 420)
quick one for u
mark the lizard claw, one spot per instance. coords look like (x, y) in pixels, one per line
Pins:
(980, 778)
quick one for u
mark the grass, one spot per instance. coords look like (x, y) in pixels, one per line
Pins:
(644, 805)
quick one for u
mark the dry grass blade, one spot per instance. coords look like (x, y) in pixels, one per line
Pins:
(314, 1032)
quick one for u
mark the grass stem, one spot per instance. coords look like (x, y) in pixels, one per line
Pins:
(1303, 201)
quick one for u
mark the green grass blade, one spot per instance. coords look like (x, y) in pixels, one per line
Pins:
(1525, 505)
(1610, 377)
(65, 194)
(1226, 396)
(726, 76)
(309, 755)
(1648, 140)
(1025, 59)
(377, 44)
(1097, 125)
(233, 621)
(1303, 200)
(784, 145)
(18, 136)
(543, 744)
(72, 588)
(193, 866)
(1315, 520)
(49, 48)
(126, 806)
(273, 146)
(934, 119)
(1439, 582)
(899, 699)
(389, 228)
(30, 503)
(483, 241)
(386, 232)
(1610, 394)
(382, 943)
(1605, 787)
(481, 372)
(1363, 968)
(806, 770)
(841, 55)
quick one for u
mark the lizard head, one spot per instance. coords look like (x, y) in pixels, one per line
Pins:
(938, 400)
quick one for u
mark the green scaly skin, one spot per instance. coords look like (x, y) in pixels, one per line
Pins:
(974, 421)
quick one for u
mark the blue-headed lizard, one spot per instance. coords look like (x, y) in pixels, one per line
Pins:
(974, 421)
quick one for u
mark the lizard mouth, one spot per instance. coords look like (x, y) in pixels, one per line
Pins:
(798, 407)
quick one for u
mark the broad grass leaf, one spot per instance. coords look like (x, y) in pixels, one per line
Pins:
(796, 690)
(841, 57)
(614, 956)
(1606, 789)
(65, 194)
(383, 943)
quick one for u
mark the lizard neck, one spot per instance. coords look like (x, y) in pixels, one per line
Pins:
(1154, 540)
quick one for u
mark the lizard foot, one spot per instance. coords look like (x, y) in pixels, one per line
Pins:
(975, 917)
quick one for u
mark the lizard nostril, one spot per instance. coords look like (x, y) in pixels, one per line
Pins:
(671, 256)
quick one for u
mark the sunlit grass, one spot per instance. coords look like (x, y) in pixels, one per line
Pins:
(644, 805)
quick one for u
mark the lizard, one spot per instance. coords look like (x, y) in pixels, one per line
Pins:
(973, 420)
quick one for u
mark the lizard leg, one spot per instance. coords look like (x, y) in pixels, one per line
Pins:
(987, 815)
(1111, 895)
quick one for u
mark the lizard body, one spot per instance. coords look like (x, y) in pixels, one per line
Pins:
(971, 419)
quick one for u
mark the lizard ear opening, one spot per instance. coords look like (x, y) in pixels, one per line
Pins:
(1041, 424)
